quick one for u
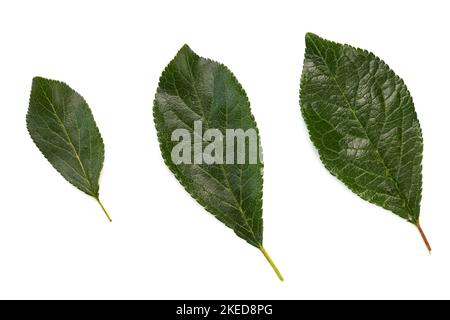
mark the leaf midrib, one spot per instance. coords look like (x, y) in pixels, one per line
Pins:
(402, 196)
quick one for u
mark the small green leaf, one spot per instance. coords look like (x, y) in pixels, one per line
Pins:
(62, 127)
(192, 90)
(361, 118)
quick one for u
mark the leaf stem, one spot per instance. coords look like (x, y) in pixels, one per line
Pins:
(269, 259)
(103, 208)
(424, 237)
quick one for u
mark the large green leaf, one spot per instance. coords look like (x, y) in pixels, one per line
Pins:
(62, 127)
(361, 118)
(192, 89)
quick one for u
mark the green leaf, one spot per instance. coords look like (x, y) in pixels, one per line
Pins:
(62, 127)
(361, 118)
(193, 89)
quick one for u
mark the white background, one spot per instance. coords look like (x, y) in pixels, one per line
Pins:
(56, 243)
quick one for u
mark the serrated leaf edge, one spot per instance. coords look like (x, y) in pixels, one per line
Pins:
(88, 192)
(372, 55)
(173, 168)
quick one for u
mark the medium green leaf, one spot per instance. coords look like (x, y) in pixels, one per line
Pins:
(193, 89)
(62, 127)
(361, 118)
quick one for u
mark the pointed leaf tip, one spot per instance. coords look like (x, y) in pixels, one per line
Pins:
(185, 49)
(309, 37)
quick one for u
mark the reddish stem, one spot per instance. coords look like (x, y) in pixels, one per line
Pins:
(424, 237)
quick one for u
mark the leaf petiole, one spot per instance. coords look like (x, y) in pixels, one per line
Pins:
(103, 208)
(424, 237)
(269, 259)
